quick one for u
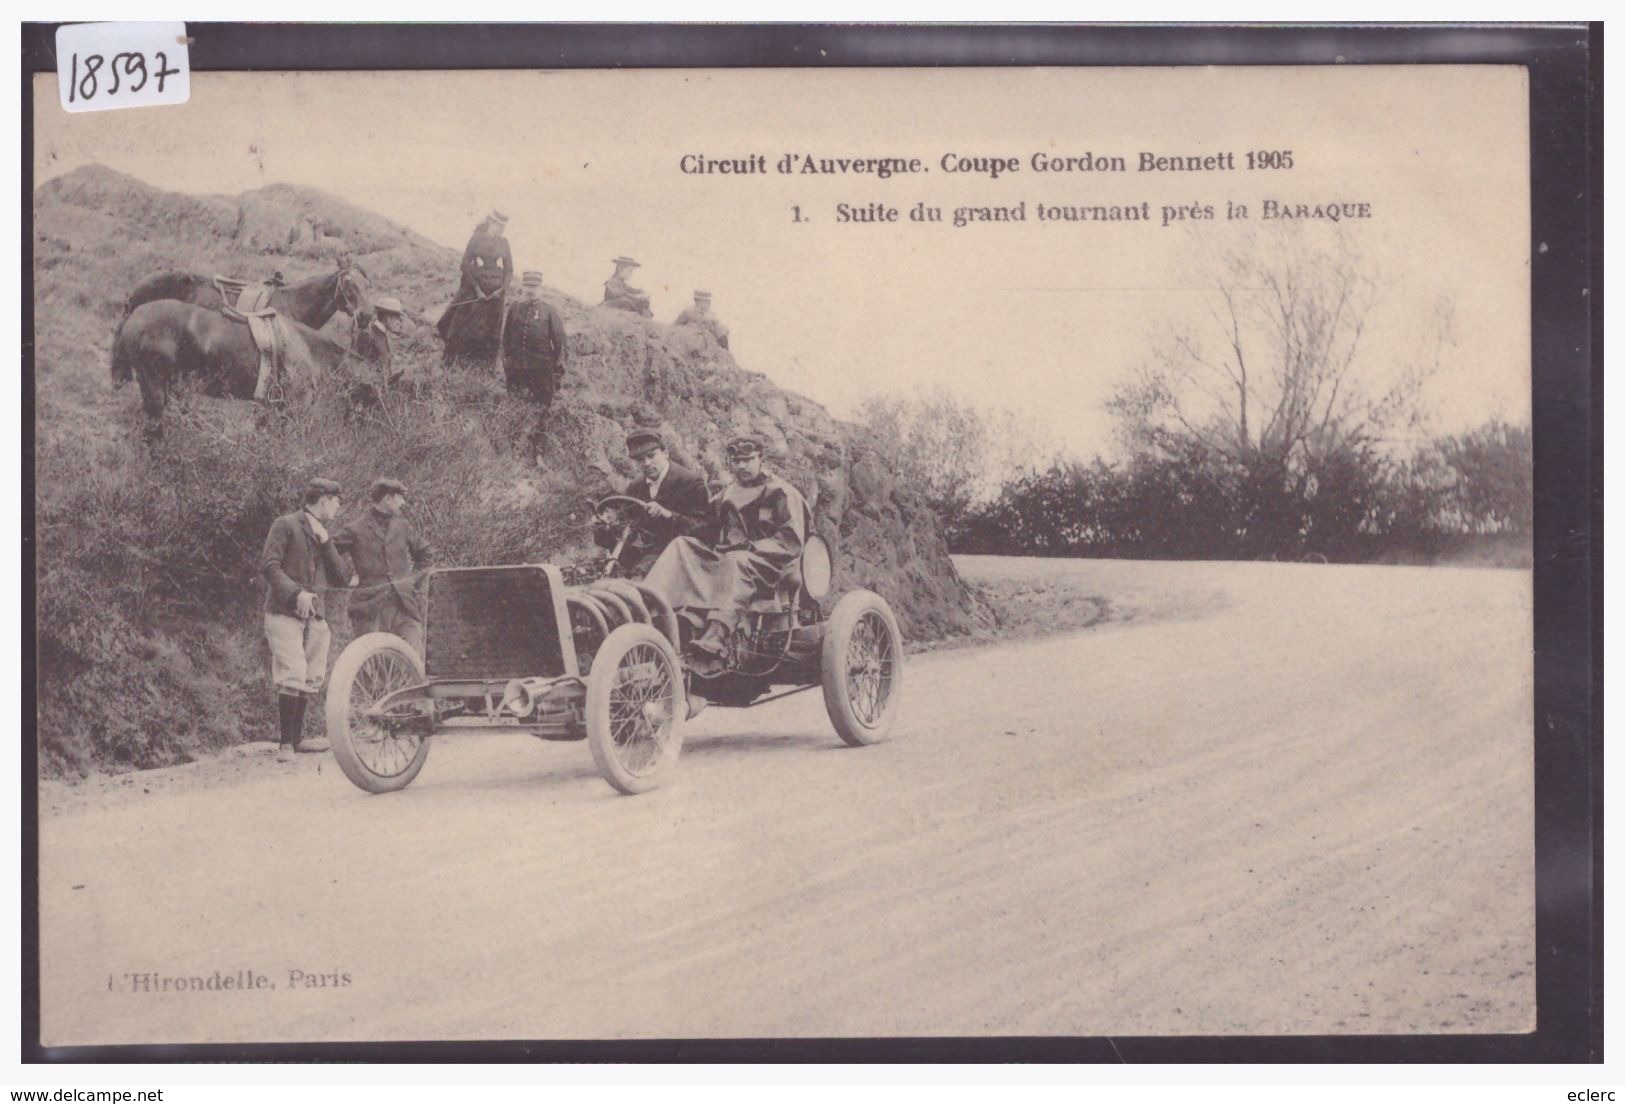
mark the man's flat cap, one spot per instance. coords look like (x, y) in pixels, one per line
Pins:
(321, 486)
(702, 296)
(627, 262)
(498, 217)
(644, 438)
(531, 279)
(382, 487)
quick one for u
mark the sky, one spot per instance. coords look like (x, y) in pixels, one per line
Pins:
(1042, 318)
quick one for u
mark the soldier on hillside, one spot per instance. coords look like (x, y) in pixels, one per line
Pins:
(700, 315)
(622, 296)
(299, 563)
(533, 344)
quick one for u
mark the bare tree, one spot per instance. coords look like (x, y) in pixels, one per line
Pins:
(1277, 385)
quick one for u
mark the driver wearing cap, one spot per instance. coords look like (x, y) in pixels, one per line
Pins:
(678, 503)
(761, 525)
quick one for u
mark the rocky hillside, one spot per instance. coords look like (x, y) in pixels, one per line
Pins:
(149, 644)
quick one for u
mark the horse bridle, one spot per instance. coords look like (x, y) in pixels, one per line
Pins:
(351, 300)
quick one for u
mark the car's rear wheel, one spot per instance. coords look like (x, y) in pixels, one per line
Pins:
(376, 756)
(635, 709)
(862, 668)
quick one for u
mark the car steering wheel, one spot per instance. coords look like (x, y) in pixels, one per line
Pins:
(628, 514)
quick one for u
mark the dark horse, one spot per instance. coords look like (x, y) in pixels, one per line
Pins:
(165, 340)
(310, 302)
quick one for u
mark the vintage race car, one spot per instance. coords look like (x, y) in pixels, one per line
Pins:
(518, 649)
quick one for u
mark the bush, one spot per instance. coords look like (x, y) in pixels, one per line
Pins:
(1462, 499)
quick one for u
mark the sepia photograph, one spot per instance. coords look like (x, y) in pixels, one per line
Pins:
(744, 553)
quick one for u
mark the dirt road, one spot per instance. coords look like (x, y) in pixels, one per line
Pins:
(1260, 798)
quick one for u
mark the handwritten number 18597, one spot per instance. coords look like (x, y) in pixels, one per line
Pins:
(133, 64)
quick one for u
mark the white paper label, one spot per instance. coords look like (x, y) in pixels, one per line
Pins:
(101, 66)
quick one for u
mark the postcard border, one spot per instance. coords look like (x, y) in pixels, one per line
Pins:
(1564, 62)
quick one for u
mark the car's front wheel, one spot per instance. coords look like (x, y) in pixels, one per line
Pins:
(635, 709)
(376, 756)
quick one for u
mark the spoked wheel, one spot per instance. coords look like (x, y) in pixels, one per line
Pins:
(862, 668)
(635, 709)
(375, 756)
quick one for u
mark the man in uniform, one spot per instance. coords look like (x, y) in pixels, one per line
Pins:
(622, 296)
(679, 505)
(487, 270)
(298, 564)
(700, 315)
(533, 345)
(389, 559)
(761, 524)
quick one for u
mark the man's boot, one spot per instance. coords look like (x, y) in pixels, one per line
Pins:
(303, 746)
(291, 723)
(715, 640)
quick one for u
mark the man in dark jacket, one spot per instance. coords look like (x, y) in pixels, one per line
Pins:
(487, 270)
(761, 526)
(298, 564)
(533, 345)
(679, 505)
(389, 559)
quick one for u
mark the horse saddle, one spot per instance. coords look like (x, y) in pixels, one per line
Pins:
(271, 339)
(254, 297)
(244, 296)
(250, 302)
